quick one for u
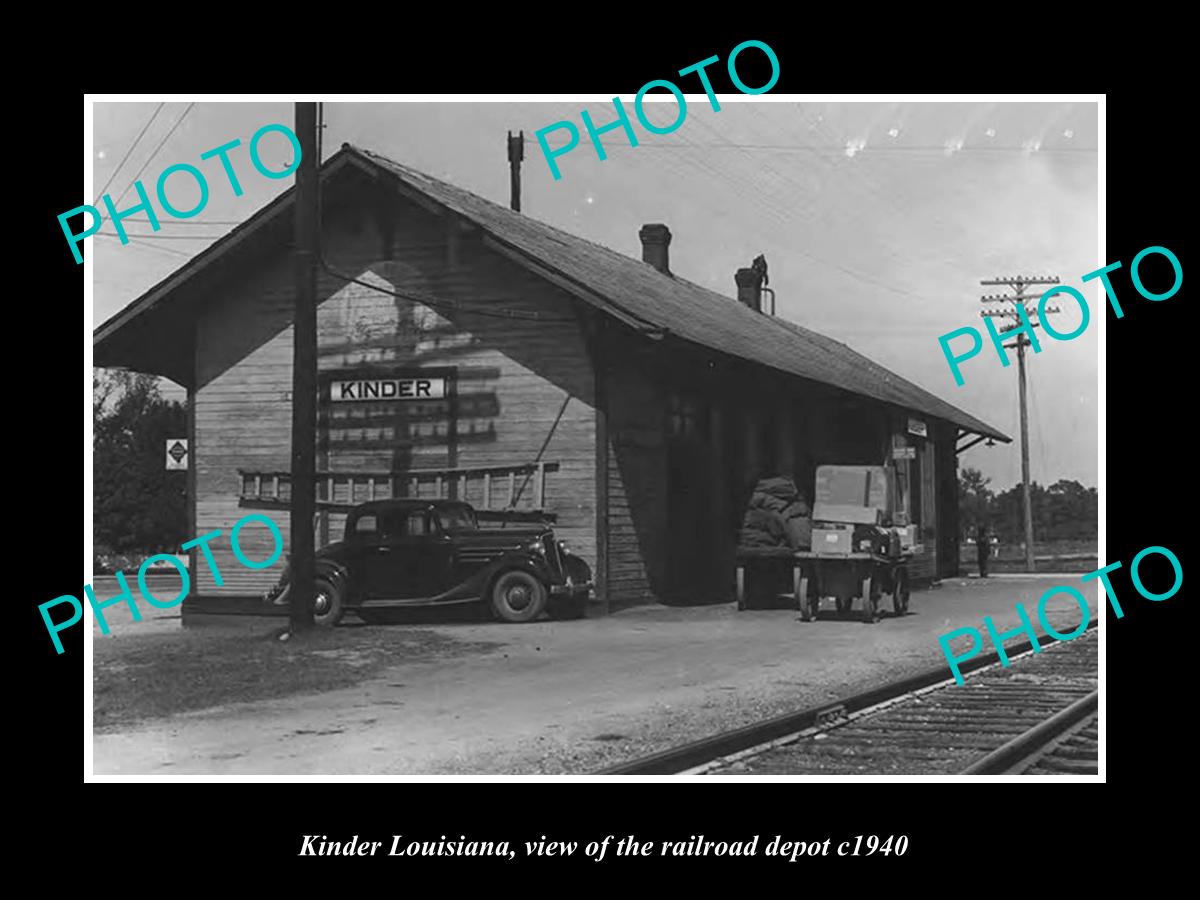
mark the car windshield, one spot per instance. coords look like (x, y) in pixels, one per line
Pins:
(457, 518)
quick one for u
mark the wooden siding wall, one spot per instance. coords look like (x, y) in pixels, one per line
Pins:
(637, 479)
(512, 377)
(759, 424)
(242, 415)
(513, 374)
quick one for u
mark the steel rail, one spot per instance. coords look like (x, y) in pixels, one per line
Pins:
(1025, 748)
(681, 758)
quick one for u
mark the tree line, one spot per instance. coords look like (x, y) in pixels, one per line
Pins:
(1066, 510)
(140, 507)
(137, 505)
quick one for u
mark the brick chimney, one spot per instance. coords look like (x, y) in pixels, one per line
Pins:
(749, 288)
(655, 241)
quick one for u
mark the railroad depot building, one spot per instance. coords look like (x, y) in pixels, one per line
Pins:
(466, 350)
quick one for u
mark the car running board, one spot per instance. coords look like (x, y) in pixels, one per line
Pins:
(412, 601)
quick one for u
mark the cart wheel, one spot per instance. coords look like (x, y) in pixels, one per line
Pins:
(900, 592)
(812, 601)
(870, 597)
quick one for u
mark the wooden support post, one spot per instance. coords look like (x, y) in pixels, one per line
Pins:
(304, 368)
(190, 477)
(487, 490)
(1027, 504)
(724, 537)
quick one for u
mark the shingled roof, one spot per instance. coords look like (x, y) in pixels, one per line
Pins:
(626, 287)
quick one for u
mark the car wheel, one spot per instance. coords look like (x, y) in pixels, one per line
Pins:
(518, 597)
(327, 603)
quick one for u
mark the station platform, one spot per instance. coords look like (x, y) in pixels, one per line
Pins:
(571, 697)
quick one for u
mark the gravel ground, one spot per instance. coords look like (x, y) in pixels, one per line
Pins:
(559, 697)
(152, 675)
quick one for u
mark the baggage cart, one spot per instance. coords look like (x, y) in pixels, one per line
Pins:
(844, 576)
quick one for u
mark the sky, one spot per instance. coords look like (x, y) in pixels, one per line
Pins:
(877, 220)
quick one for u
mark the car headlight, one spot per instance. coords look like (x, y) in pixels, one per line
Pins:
(536, 547)
(562, 548)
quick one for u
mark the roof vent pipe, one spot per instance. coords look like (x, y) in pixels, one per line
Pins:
(748, 284)
(656, 239)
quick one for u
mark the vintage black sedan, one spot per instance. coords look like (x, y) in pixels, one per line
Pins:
(409, 553)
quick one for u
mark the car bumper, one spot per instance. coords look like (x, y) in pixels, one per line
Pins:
(571, 591)
(277, 596)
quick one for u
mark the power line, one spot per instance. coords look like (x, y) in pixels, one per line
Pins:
(153, 154)
(147, 246)
(495, 312)
(163, 249)
(124, 158)
(167, 237)
(840, 149)
(186, 221)
(872, 186)
(784, 216)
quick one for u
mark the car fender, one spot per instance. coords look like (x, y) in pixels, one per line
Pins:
(509, 562)
(338, 575)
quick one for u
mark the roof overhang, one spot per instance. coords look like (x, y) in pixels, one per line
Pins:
(146, 336)
(155, 333)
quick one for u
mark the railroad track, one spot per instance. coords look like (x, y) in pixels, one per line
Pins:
(1037, 717)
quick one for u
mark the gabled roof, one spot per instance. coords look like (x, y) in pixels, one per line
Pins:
(622, 286)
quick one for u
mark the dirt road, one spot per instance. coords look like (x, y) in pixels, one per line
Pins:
(567, 697)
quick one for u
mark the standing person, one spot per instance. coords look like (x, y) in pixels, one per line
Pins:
(983, 547)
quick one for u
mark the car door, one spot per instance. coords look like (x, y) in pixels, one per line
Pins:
(393, 556)
(438, 561)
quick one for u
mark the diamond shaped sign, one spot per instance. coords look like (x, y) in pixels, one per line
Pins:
(177, 451)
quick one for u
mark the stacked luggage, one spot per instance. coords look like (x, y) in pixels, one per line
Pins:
(777, 516)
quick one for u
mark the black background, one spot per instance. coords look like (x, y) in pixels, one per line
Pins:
(964, 835)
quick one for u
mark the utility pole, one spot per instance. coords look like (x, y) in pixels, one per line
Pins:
(516, 153)
(1019, 283)
(304, 371)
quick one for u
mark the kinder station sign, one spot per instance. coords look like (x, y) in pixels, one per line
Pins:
(388, 389)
